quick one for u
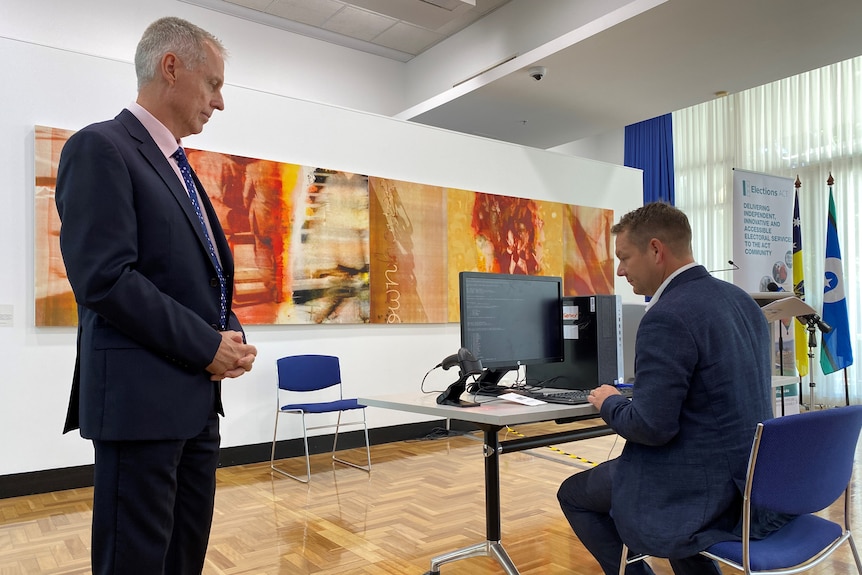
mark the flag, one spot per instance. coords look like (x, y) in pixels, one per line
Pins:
(835, 350)
(800, 334)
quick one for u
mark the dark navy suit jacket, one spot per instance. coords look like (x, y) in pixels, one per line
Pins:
(146, 288)
(702, 383)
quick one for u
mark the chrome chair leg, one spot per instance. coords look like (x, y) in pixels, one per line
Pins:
(367, 467)
(307, 457)
(625, 560)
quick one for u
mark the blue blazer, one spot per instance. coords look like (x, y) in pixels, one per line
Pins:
(146, 288)
(702, 383)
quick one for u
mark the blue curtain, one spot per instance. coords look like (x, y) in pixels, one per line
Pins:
(649, 146)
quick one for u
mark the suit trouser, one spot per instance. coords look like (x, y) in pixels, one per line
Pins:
(585, 499)
(153, 504)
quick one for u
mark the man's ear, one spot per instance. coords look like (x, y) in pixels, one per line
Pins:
(168, 67)
(656, 248)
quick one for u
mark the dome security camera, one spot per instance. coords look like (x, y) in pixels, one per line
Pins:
(537, 72)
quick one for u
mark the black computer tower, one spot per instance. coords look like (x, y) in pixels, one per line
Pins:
(593, 340)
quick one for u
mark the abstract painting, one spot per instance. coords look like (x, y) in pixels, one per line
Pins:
(315, 245)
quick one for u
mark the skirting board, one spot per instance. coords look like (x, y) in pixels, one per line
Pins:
(20, 484)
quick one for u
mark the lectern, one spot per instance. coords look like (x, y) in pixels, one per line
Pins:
(777, 306)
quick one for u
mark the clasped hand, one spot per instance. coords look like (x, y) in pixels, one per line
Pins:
(233, 358)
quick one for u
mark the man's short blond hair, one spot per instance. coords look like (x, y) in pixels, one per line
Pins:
(657, 220)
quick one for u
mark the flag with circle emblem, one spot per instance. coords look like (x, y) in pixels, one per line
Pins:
(835, 351)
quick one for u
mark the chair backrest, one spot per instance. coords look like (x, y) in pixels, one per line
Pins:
(308, 372)
(803, 463)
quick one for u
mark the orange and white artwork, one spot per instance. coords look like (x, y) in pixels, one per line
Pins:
(408, 254)
(501, 234)
(54, 300)
(589, 258)
(318, 245)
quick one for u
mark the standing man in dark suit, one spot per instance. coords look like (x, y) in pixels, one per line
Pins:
(702, 383)
(153, 278)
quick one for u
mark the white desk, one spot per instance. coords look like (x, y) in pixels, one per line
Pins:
(491, 417)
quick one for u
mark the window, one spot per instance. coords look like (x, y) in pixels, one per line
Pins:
(809, 125)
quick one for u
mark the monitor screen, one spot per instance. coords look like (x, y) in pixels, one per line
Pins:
(511, 320)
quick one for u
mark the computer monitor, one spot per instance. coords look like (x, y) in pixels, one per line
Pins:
(510, 320)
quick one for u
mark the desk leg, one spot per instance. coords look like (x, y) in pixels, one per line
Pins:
(492, 546)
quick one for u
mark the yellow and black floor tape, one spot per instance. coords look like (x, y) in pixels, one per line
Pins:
(555, 449)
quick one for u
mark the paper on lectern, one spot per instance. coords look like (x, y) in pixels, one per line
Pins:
(764, 297)
(786, 308)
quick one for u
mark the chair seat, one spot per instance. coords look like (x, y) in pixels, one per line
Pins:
(795, 543)
(324, 407)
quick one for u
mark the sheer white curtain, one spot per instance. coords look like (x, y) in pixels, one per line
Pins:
(808, 125)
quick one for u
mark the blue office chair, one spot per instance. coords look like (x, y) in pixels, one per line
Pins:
(311, 375)
(799, 465)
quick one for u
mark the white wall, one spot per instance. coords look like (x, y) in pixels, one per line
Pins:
(261, 57)
(65, 70)
(608, 147)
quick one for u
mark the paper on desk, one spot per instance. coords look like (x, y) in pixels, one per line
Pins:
(522, 399)
(786, 308)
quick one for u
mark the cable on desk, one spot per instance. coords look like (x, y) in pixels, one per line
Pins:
(422, 383)
(424, 377)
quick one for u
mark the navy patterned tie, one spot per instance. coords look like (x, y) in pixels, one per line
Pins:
(186, 171)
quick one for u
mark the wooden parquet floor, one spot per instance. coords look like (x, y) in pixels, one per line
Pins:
(422, 499)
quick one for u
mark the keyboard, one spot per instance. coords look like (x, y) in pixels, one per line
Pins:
(571, 397)
(568, 397)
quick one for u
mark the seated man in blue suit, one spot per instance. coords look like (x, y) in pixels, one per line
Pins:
(702, 384)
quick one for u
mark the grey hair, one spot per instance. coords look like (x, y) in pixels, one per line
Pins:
(174, 35)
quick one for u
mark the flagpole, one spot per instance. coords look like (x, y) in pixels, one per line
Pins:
(830, 181)
(800, 360)
(812, 343)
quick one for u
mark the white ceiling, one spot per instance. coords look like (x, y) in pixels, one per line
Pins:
(397, 29)
(658, 57)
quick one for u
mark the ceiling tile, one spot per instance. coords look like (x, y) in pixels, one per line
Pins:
(451, 4)
(408, 38)
(418, 12)
(261, 5)
(314, 13)
(459, 22)
(358, 23)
